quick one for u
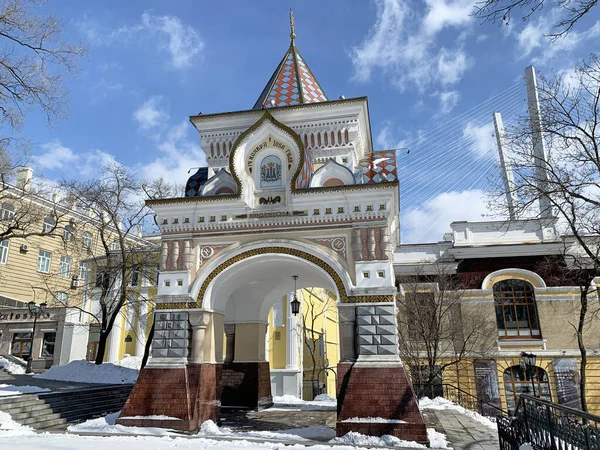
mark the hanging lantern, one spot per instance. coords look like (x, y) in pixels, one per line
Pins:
(295, 302)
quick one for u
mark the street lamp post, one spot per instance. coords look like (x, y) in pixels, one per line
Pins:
(528, 362)
(36, 311)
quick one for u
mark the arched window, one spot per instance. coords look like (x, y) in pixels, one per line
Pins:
(7, 212)
(49, 224)
(516, 311)
(86, 239)
(69, 233)
(517, 381)
(270, 172)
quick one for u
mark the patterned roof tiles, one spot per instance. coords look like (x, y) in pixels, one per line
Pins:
(292, 83)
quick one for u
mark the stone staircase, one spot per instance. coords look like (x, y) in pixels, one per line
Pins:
(56, 410)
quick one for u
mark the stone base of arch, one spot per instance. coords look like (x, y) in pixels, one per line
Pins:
(378, 391)
(189, 395)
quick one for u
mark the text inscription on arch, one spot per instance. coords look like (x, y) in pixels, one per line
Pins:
(270, 142)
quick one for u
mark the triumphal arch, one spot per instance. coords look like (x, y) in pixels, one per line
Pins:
(293, 187)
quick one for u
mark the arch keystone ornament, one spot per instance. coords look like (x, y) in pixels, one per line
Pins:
(270, 211)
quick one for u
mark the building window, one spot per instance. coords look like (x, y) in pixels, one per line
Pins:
(65, 266)
(4, 245)
(517, 381)
(102, 279)
(21, 345)
(69, 233)
(516, 311)
(86, 239)
(316, 212)
(84, 275)
(357, 209)
(270, 172)
(44, 260)
(135, 276)
(49, 225)
(7, 212)
(48, 344)
(61, 297)
(366, 274)
(115, 245)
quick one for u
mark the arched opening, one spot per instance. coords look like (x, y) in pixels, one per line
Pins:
(224, 191)
(518, 380)
(333, 182)
(516, 310)
(267, 350)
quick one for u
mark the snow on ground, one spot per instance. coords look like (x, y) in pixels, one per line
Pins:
(9, 389)
(122, 372)
(9, 427)
(373, 420)
(107, 425)
(436, 440)
(441, 403)
(289, 402)
(11, 367)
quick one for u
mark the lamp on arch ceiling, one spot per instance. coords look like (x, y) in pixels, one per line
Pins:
(295, 302)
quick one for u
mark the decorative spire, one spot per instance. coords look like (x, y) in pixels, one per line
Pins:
(292, 83)
(292, 26)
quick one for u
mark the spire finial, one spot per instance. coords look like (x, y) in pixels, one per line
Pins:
(292, 26)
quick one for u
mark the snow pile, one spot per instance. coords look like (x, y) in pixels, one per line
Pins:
(372, 420)
(9, 427)
(130, 362)
(11, 367)
(9, 389)
(290, 402)
(152, 417)
(107, 425)
(209, 428)
(436, 440)
(324, 398)
(357, 439)
(442, 403)
(87, 372)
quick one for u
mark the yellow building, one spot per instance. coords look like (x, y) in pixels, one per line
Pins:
(303, 350)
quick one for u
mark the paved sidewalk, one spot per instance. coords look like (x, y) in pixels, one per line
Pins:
(29, 380)
(462, 432)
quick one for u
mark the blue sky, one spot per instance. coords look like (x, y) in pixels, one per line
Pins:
(428, 69)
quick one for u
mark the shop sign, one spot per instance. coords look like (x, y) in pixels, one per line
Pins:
(22, 316)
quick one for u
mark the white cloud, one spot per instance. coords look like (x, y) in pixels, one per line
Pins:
(532, 39)
(55, 156)
(181, 42)
(149, 115)
(448, 100)
(430, 221)
(480, 139)
(403, 45)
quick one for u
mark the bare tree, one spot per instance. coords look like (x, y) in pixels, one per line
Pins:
(436, 328)
(502, 11)
(117, 202)
(574, 269)
(315, 310)
(33, 60)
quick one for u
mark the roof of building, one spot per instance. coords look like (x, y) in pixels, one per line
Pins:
(292, 83)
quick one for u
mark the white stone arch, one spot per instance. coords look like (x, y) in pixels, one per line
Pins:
(260, 246)
(330, 170)
(506, 274)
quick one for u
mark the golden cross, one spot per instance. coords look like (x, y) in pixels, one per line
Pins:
(292, 25)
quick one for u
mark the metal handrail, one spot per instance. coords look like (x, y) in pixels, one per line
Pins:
(576, 412)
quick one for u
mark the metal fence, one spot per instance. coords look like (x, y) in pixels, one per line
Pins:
(548, 426)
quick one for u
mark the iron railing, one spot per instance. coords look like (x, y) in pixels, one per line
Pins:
(548, 426)
(458, 396)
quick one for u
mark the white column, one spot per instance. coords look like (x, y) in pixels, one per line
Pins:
(291, 342)
(507, 175)
(140, 331)
(114, 341)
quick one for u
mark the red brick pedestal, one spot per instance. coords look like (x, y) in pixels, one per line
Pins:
(191, 394)
(246, 385)
(385, 392)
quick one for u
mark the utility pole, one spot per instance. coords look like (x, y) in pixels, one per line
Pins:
(507, 175)
(537, 139)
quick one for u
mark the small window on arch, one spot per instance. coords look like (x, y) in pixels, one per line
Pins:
(69, 233)
(225, 190)
(49, 224)
(333, 182)
(516, 310)
(7, 212)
